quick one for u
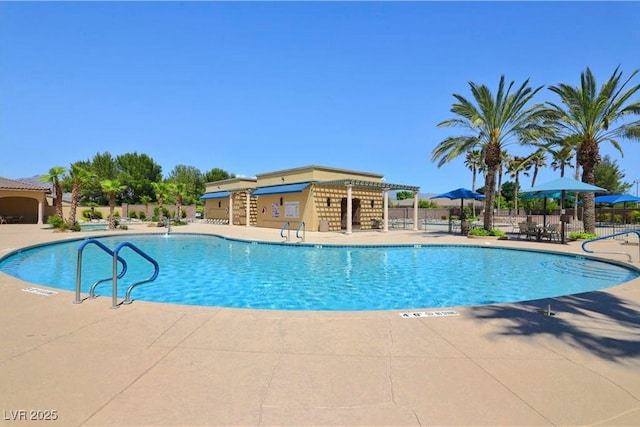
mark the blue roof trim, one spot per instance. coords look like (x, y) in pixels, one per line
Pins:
(281, 189)
(216, 195)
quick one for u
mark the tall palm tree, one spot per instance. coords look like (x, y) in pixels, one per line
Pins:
(473, 161)
(145, 200)
(79, 176)
(595, 116)
(493, 123)
(503, 161)
(112, 187)
(537, 160)
(515, 166)
(179, 190)
(54, 176)
(162, 190)
(561, 150)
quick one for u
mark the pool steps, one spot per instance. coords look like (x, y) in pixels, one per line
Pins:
(115, 275)
(620, 233)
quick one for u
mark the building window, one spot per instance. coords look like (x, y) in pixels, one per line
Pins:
(280, 201)
(328, 201)
(219, 204)
(372, 204)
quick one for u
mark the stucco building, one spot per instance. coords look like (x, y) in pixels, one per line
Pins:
(323, 198)
(22, 202)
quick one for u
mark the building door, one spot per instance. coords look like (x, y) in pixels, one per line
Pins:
(355, 213)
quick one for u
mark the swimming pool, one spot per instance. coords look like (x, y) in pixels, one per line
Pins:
(214, 271)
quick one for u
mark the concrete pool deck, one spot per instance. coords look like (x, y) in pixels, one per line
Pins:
(158, 364)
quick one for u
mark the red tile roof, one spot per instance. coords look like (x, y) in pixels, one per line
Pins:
(10, 184)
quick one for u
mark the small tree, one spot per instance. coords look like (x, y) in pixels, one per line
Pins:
(111, 187)
(54, 175)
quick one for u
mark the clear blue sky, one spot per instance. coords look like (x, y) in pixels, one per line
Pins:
(257, 87)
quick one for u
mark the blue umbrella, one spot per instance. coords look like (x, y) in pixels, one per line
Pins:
(563, 185)
(617, 198)
(460, 193)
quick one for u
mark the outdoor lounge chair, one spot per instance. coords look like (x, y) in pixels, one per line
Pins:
(2, 220)
(551, 232)
(523, 229)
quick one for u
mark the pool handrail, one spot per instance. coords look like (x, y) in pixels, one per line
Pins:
(102, 246)
(301, 225)
(608, 236)
(286, 225)
(127, 298)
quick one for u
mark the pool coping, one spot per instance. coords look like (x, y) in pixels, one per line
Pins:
(590, 256)
(153, 363)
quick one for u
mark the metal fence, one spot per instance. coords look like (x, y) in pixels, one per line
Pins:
(608, 220)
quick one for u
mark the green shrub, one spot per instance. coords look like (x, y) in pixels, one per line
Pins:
(124, 227)
(133, 215)
(578, 235)
(74, 227)
(142, 215)
(89, 214)
(479, 231)
(55, 221)
(634, 216)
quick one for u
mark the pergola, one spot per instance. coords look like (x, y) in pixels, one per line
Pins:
(385, 187)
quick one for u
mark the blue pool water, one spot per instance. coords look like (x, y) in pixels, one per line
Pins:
(213, 271)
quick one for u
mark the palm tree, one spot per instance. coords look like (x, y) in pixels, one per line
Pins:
(537, 160)
(505, 159)
(145, 201)
(79, 176)
(493, 123)
(561, 151)
(595, 116)
(515, 166)
(54, 175)
(162, 190)
(111, 187)
(473, 161)
(179, 190)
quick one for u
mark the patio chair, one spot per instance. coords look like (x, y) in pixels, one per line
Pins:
(551, 232)
(533, 230)
(2, 220)
(523, 229)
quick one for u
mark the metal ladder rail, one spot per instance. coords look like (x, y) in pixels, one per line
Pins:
(99, 244)
(301, 225)
(620, 233)
(114, 290)
(285, 225)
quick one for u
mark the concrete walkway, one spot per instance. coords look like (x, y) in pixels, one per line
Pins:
(157, 364)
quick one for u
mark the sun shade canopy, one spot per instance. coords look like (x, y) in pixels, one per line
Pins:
(460, 193)
(566, 184)
(215, 195)
(617, 198)
(281, 189)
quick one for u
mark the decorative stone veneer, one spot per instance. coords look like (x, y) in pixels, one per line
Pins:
(332, 211)
(239, 204)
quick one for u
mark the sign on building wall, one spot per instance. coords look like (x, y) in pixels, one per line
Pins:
(292, 209)
(275, 210)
